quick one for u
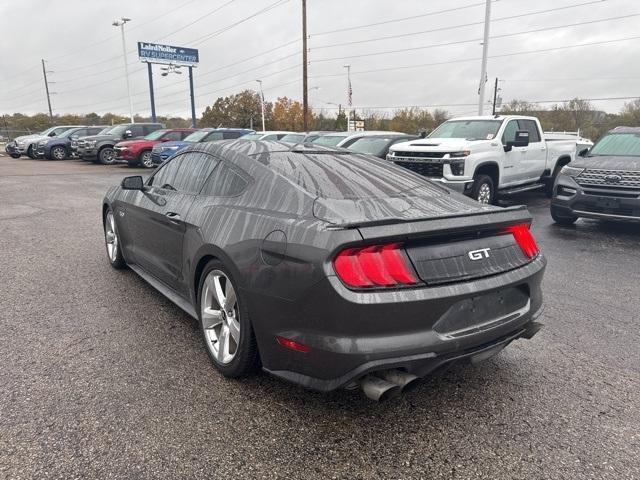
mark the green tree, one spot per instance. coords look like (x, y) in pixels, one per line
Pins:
(241, 110)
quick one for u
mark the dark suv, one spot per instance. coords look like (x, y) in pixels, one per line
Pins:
(100, 147)
(602, 183)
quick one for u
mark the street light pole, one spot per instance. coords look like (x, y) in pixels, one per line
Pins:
(305, 98)
(485, 53)
(349, 95)
(120, 23)
(262, 104)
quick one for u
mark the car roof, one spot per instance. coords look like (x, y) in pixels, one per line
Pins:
(623, 129)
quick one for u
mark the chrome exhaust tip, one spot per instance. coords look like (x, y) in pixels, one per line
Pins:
(406, 381)
(378, 389)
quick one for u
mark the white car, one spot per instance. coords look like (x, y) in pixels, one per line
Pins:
(344, 139)
(485, 156)
(270, 135)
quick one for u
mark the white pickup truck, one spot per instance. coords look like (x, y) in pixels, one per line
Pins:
(487, 156)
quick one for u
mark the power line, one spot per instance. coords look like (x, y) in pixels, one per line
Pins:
(441, 29)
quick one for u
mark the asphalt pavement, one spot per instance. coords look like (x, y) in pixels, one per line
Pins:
(102, 377)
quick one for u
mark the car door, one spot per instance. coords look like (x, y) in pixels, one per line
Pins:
(157, 220)
(512, 164)
(534, 160)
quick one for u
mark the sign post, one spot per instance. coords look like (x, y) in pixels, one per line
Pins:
(169, 55)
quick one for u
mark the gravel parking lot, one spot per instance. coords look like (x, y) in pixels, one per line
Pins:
(103, 377)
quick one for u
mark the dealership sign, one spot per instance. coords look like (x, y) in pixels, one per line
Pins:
(154, 53)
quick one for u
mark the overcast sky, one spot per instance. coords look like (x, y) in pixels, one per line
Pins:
(84, 51)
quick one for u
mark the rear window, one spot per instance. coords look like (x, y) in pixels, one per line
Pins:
(344, 176)
(618, 144)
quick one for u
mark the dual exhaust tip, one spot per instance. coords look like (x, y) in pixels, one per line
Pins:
(387, 384)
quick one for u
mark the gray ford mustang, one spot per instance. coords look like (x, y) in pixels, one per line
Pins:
(327, 268)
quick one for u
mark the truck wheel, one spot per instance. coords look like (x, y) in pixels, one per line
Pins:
(550, 182)
(145, 159)
(483, 189)
(107, 156)
(562, 219)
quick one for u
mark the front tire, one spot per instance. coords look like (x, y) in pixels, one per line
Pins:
(112, 241)
(562, 219)
(14, 155)
(483, 189)
(224, 321)
(58, 153)
(30, 153)
(107, 156)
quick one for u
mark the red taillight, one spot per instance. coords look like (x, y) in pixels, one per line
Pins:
(525, 239)
(293, 345)
(375, 266)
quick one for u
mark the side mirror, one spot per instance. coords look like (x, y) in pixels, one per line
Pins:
(132, 183)
(128, 134)
(521, 140)
(583, 152)
(52, 134)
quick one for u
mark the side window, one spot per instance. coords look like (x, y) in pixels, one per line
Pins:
(510, 130)
(95, 131)
(184, 134)
(213, 136)
(531, 127)
(185, 172)
(230, 135)
(226, 182)
(173, 136)
(136, 131)
(81, 133)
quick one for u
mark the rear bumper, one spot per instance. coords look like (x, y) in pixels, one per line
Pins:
(354, 333)
(598, 202)
(158, 158)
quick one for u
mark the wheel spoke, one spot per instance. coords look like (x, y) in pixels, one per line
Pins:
(230, 298)
(218, 292)
(211, 318)
(223, 343)
(234, 329)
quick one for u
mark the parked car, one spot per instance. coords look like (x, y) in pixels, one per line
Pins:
(602, 183)
(487, 155)
(26, 144)
(99, 148)
(302, 137)
(378, 145)
(295, 258)
(273, 135)
(59, 147)
(138, 152)
(344, 139)
(161, 152)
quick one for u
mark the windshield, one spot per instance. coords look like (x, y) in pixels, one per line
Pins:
(618, 144)
(197, 136)
(68, 133)
(155, 135)
(118, 130)
(104, 131)
(329, 140)
(371, 145)
(252, 136)
(468, 129)
(293, 138)
(213, 136)
(48, 131)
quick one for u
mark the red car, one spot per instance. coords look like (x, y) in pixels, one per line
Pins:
(138, 152)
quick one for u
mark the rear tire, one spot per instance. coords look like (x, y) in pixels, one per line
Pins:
(562, 219)
(483, 189)
(145, 159)
(107, 156)
(226, 329)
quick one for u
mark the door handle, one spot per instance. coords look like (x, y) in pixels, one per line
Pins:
(173, 217)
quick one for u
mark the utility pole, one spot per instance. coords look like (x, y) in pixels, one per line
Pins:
(495, 96)
(305, 99)
(120, 23)
(262, 104)
(349, 96)
(485, 53)
(46, 87)
(151, 94)
(193, 98)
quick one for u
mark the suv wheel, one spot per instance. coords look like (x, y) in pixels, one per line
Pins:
(145, 159)
(14, 155)
(107, 156)
(562, 219)
(483, 190)
(112, 241)
(30, 153)
(224, 321)
(58, 153)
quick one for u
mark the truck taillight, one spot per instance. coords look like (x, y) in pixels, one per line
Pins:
(375, 266)
(525, 239)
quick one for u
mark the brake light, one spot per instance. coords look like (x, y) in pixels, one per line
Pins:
(375, 266)
(525, 239)
(293, 345)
